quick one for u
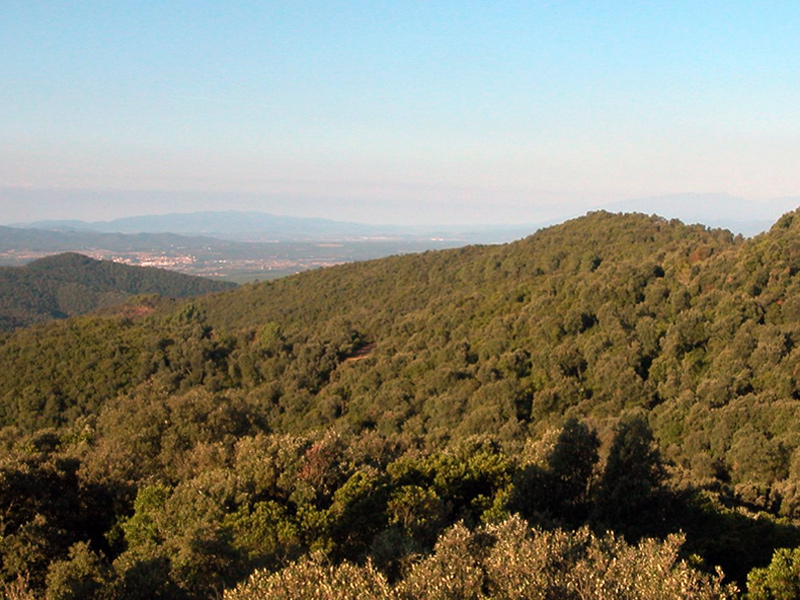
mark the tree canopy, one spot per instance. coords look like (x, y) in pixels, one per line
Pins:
(357, 424)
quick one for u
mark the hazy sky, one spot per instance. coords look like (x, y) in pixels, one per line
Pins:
(394, 111)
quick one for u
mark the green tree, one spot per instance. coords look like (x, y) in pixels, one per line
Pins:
(84, 576)
(778, 581)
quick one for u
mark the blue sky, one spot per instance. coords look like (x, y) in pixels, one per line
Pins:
(414, 112)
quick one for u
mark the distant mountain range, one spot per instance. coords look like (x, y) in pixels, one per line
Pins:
(265, 227)
(714, 210)
(71, 284)
(227, 224)
(61, 239)
(247, 245)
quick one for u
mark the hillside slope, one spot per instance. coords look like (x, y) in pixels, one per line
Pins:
(71, 284)
(623, 372)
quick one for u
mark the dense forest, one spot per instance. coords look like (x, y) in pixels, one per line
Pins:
(609, 408)
(70, 284)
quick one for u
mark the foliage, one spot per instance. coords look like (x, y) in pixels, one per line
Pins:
(504, 561)
(71, 284)
(616, 372)
(780, 580)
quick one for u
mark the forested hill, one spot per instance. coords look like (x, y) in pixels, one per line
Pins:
(71, 284)
(381, 422)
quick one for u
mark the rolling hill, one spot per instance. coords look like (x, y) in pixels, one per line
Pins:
(70, 284)
(383, 422)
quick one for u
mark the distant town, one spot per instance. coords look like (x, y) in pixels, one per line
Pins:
(237, 269)
(282, 246)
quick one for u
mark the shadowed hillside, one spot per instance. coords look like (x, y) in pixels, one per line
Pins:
(70, 284)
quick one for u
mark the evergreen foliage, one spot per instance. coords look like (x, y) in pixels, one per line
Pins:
(70, 284)
(377, 426)
(780, 580)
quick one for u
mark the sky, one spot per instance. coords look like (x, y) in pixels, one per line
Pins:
(404, 111)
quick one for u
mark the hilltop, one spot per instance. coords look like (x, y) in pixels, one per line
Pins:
(618, 372)
(71, 284)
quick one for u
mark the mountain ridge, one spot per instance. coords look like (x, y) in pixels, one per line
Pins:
(741, 215)
(239, 225)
